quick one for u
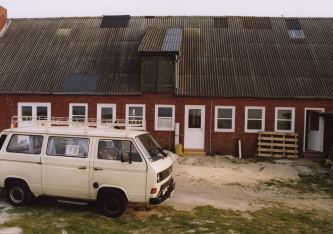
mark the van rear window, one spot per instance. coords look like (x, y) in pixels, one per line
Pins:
(2, 140)
(68, 147)
(25, 144)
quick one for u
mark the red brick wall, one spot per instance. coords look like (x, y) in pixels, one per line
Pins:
(3, 17)
(224, 143)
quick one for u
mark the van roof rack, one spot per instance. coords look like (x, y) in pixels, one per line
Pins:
(80, 122)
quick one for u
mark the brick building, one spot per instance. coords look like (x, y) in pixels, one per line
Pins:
(221, 78)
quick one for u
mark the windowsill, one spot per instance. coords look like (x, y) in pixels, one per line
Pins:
(164, 130)
(254, 131)
(224, 130)
(284, 131)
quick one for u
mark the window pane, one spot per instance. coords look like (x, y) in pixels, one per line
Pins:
(42, 112)
(224, 113)
(107, 112)
(284, 125)
(116, 149)
(224, 123)
(254, 124)
(79, 110)
(135, 111)
(2, 140)
(67, 146)
(194, 118)
(25, 144)
(314, 121)
(26, 110)
(254, 113)
(164, 122)
(284, 114)
(164, 112)
(26, 113)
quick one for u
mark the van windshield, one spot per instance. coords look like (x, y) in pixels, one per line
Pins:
(151, 146)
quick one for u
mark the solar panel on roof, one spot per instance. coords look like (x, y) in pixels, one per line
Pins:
(221, 22)
(115, 21)
(293, 24)
(172, 40)
(81, 83)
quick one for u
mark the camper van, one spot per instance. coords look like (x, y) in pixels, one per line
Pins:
(110, 163)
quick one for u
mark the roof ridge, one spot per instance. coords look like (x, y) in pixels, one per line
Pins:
(178, 16)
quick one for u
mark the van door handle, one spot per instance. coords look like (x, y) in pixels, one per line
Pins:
(98, 169)
(82, 168)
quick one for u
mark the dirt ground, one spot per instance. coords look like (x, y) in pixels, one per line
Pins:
(227, 183)
(248, 185)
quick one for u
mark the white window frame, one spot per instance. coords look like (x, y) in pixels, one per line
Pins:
(78, 104)
(34, 106)
(233, 109)
(172, 128)
(292, 109)
(99, 111)
(143, 113)
(262, 118)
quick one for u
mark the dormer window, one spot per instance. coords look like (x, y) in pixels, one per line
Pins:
(295, 30)
(160, 49)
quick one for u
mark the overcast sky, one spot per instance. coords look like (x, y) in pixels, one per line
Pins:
(55, 8)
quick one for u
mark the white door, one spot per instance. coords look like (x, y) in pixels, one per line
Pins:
(315, 130)
(194, 135)
(110, 171)
(65, 167)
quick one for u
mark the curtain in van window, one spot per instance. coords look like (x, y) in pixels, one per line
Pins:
(35, 144)
(67, 146)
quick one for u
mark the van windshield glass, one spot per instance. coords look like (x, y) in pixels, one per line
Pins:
(151, 146)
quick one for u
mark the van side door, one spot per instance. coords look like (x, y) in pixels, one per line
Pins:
(110, 171)
(65, 167)
(21, 157)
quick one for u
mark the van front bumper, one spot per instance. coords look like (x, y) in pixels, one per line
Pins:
(163, 196)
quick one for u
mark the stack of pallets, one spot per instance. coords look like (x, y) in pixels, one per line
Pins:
(277, 144)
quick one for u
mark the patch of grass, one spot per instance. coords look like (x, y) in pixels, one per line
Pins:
(53, 218)
(319, 182)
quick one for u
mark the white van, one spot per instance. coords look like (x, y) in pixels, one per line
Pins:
(107, 165)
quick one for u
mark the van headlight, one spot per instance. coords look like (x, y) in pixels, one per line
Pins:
(158, 177)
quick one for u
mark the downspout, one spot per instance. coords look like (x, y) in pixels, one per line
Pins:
(210, 126)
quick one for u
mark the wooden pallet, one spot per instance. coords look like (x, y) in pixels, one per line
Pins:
(278, 145)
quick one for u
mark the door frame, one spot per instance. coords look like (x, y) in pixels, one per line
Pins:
(203, 116)
(305, 124)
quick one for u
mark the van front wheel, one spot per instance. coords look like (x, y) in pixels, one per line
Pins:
(113, 203)
(18, 194)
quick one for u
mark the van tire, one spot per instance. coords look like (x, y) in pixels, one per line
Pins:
(18, 193)
(113, 203)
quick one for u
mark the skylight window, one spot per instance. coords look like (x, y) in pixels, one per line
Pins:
(296, 34)
(221, 22)
(257, 23)
(295, 30)
(115, 21)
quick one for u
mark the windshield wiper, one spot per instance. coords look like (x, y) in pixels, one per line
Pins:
(162, 152)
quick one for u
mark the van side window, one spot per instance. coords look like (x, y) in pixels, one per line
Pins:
(26, 144)
(2, 140)
(115, 149)
(68, 146)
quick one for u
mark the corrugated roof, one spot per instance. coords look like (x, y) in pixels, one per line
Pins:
(220, 56)
(161, 41)
(173, 40)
